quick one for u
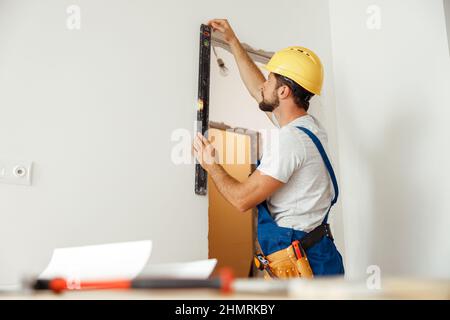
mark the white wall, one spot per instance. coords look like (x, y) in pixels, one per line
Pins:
(94, 110)
(392, 101)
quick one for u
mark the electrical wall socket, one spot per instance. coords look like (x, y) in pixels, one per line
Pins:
(16, 172)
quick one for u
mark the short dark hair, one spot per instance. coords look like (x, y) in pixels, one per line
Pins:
(300, 94)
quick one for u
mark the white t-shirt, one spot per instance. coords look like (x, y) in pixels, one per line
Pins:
(302, 202)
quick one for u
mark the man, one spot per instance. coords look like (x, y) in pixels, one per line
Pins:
(291, 186)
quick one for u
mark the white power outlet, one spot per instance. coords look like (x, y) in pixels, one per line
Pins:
(16, 172)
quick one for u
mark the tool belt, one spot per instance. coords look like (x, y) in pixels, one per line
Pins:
(292, 262)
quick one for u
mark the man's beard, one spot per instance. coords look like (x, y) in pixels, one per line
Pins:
(268, 106)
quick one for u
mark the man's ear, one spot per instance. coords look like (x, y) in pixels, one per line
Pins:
(284, 92)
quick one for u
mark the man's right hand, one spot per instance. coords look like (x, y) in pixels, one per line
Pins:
(250, 74)
(224, 28)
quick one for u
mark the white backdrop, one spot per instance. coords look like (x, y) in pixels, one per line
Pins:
(95, 108)
(393, 99)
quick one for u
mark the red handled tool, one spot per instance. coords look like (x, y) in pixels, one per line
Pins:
(59, 285)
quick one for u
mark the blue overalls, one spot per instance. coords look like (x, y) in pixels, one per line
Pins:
(323, 256)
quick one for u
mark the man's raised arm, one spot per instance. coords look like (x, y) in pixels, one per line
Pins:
(250, 74)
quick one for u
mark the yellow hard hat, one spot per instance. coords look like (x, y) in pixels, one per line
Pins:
(300, 65)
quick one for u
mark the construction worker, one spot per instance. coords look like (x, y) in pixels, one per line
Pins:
(294, 186)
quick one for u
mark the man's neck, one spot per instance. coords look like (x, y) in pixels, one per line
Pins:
(285, 118)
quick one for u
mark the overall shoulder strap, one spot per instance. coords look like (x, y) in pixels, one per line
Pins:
(327, 162)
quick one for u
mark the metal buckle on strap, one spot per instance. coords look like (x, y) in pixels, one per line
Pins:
(262, 261)
(263, 264)
(328, 232)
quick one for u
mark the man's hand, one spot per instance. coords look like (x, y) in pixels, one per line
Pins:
(224, 28)
(242, 195)
(204, 152)
(252, 77)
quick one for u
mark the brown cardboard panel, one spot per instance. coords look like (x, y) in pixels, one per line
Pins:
(230, 234)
